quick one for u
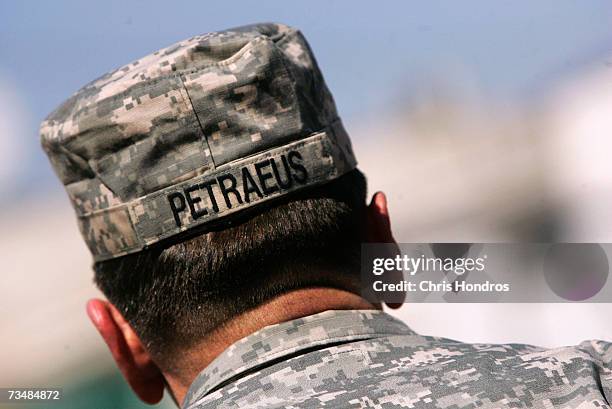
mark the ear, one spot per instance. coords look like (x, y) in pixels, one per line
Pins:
(378, 230)
(131, 357)
(378, 223)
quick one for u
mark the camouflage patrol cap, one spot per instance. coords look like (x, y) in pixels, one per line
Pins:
(194, 133)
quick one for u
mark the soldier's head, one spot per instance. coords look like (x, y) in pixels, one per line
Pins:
(209, 178)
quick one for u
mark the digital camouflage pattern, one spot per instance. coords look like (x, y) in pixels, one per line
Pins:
(192, 133)
(368, 359)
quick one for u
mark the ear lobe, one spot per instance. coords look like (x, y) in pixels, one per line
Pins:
(131, 357)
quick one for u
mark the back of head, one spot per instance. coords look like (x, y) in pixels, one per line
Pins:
(175, 294)
(209, 177)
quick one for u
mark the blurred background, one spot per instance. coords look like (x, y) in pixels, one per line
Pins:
(483, 121)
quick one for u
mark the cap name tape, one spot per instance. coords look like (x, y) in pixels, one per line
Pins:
(229, 188)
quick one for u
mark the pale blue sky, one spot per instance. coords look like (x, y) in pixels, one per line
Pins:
(373, 54)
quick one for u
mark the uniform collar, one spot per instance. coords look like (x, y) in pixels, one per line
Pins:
(279, 340)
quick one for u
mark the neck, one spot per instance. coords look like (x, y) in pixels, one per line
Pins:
(286, 307)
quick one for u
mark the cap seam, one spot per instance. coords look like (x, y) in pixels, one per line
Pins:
(189, 102)
(146, 84)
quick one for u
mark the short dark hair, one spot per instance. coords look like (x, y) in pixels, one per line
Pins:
(173, 294)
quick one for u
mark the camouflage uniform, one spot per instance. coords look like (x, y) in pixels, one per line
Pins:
(368, 359)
